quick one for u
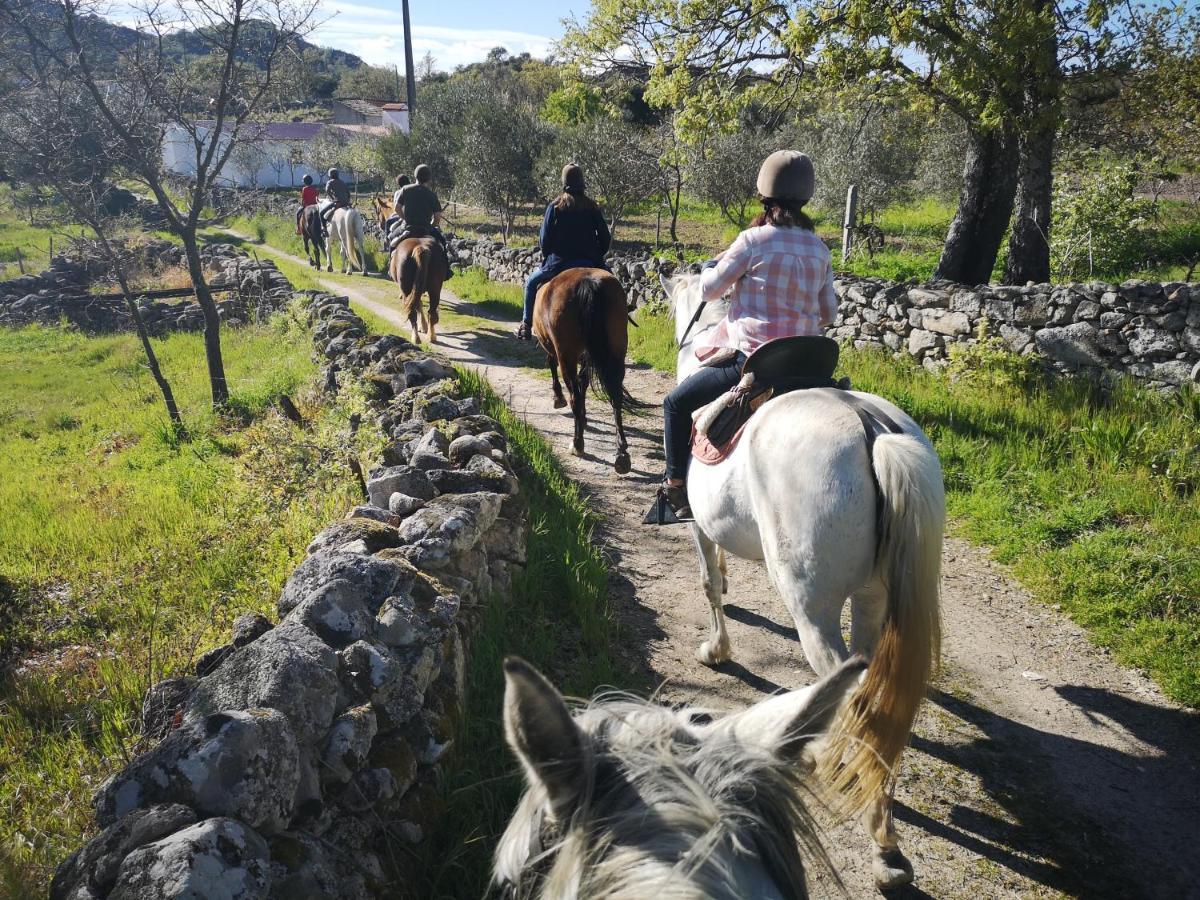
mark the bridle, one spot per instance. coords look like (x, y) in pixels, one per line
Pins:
(692, 324)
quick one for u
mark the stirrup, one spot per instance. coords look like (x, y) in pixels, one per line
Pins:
(663, 512)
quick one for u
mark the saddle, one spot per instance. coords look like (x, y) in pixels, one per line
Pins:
(777, 367)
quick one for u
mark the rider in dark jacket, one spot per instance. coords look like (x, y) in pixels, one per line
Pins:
(573, 234)
(337, 191)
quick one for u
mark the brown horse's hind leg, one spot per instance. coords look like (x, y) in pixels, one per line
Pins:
(622, 464)
(559, 400)
(578, 392)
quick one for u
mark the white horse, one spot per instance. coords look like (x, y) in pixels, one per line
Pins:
(347, 226)
(832, 517)
(631, 800)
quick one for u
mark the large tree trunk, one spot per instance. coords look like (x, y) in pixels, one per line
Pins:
(212, 322)
(985, 205)
(1029, 242)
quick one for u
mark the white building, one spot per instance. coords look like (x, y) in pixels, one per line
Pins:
(275, 154)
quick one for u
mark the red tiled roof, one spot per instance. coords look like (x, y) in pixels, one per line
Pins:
(395, 106)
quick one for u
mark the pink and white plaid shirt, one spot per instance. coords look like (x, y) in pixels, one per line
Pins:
(782, 280)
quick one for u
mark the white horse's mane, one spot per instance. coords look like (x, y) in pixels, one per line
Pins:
(666, 815)
(683, 294)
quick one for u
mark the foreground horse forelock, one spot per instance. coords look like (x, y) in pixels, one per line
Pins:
(627, 799)
(840, 494)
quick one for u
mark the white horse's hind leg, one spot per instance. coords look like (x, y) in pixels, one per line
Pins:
(716, 649)
(889, 866)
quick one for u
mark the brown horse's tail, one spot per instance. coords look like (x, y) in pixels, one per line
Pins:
(420, 259)
(866, 742)
(594, 296)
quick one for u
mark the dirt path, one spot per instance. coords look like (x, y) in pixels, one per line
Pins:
(1039, 767)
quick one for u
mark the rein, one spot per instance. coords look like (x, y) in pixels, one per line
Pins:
(692, 324)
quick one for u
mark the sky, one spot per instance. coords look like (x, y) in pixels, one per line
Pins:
(454, 31)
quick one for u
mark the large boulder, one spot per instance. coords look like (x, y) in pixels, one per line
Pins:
(448, 524)
(289, 669)
(398, 479)
(1073, 344)
(234, 763)
(373, 577)
(374, 535)
(217, 859)
(93, 867)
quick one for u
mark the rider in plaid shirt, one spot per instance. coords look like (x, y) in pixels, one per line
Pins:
(781, 278)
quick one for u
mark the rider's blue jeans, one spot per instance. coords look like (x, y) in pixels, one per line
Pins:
(700, 388)
(536, 280)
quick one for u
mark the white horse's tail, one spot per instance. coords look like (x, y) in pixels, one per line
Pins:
(865, 746)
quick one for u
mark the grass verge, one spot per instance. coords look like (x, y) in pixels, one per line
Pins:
(559, 619)
(127, 551)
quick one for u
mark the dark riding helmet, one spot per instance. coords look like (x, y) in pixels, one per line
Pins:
(333, 173)
(308, 179)
(402, 181)
(572, 179)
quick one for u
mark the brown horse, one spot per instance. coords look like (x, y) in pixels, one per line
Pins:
(418, 266)
(582, 322)
(313, 231)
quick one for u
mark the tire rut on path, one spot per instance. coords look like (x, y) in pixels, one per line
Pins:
(1039, 767)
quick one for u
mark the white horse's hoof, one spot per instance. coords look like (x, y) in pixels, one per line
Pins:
(712, 656)
(891, 869)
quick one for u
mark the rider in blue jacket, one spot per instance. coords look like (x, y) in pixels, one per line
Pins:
(573, 234)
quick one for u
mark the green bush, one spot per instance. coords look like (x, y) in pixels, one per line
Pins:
(1098, 222)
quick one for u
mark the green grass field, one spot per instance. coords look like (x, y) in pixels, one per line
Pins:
(125, 551)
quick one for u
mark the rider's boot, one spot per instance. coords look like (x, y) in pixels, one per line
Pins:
(670, 506)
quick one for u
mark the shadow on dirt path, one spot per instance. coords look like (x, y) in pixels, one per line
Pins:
(1039, 768)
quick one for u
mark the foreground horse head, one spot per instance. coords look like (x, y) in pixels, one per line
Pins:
(581, 320)
(628, 799)
(839, 504)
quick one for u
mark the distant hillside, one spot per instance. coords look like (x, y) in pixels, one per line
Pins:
(108, 40)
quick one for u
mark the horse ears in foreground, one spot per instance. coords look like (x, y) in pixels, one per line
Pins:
(540, 730)
(788, 724)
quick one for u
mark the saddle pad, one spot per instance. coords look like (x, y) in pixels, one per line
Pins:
(705, 451)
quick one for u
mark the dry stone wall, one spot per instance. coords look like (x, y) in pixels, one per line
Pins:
(61, 293)
(1145, 330)
(298, 758)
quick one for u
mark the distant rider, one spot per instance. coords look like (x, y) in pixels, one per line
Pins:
(421, 212)
(573, 234)
(337, 191)
(389, 225)
(308, 197)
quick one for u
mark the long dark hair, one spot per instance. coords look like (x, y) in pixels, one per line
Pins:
(575, 200)
(784, 213)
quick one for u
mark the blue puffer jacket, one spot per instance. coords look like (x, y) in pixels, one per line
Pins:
(573, 237)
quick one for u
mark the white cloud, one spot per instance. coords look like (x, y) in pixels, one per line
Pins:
(377, 35)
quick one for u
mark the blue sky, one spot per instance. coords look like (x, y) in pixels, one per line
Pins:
(454, 31)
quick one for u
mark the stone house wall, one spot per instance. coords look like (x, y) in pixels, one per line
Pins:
(300, 756)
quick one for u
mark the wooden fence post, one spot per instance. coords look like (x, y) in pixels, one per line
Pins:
(848, 221)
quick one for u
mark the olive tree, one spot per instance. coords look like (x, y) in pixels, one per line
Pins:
(724, 170)
(199, 109)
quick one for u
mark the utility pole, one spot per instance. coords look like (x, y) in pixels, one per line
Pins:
(409, 81)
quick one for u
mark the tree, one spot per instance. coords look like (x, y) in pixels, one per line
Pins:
(724, 172)
(372, 83)
(617, 164)
(1001, 66)
(495, 162)
(203, 112)
(55, 140)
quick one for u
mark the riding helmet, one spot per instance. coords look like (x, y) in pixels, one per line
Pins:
(333, 173)
(572, 179)
(423, 173)
(308, 179)
(786, 175)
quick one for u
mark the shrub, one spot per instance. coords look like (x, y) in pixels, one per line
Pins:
(1097, 224)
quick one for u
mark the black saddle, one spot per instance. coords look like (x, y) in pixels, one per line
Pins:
(779, 367)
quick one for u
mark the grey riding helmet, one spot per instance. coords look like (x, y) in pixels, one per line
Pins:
(333, 173)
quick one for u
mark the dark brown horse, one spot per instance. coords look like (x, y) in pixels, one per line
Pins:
(313, 231)
(418, 266)
(582, 322)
